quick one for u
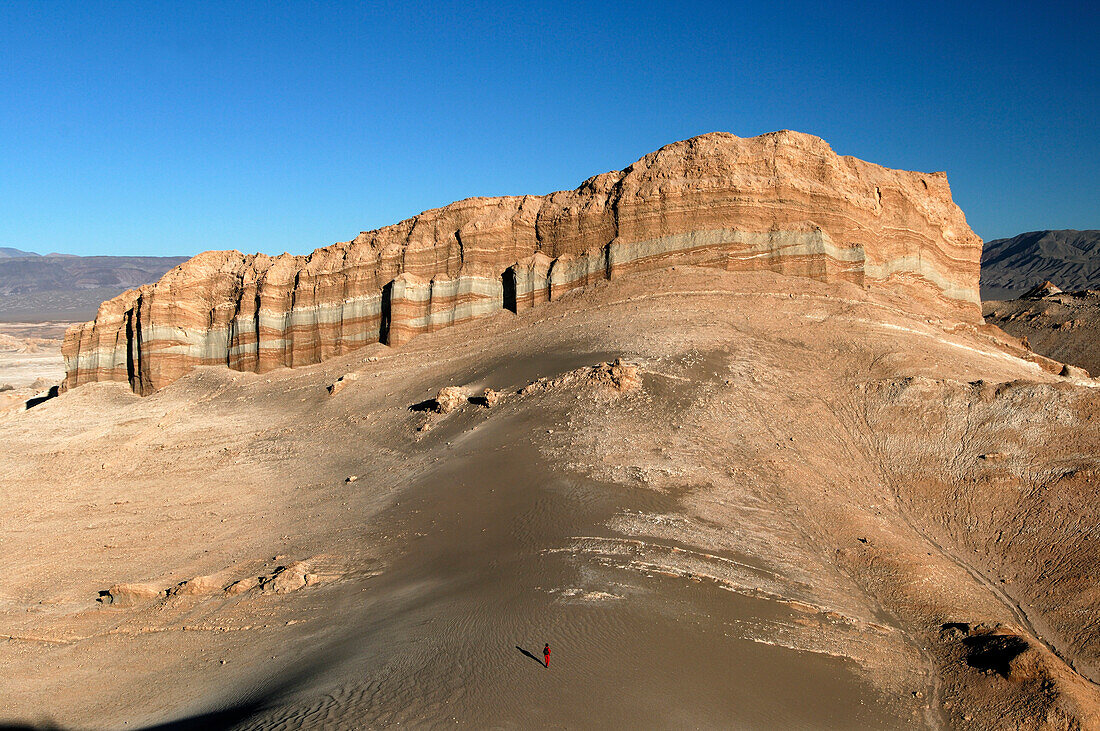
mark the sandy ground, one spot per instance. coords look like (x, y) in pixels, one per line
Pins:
(31, 351)
(815, 511)
(30, 361)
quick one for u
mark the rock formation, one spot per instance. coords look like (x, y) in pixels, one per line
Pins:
(1039, 291)
(450, 398)
(783, 202)
(799, 507)
(1063, 326)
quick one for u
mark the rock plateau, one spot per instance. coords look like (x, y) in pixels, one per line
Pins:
(783, 202)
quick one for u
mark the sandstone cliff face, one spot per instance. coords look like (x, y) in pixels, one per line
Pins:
(782, 201)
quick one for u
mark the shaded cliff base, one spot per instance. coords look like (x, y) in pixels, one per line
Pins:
(813, 509)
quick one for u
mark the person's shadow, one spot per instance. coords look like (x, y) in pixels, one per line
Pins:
(529, 655)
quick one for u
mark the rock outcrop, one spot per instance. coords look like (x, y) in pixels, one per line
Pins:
(1039, 291)
(1062, 326)
(783, 202)
(128, 595)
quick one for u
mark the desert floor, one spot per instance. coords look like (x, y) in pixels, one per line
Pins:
(812, 510)
(30, 361)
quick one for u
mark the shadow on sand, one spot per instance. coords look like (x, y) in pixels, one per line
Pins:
(31, 403)
(263, 698)
(220, 719)
(529, 655)
(226, 717)
(433, 405)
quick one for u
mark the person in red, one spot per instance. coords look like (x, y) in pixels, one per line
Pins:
(546, 655)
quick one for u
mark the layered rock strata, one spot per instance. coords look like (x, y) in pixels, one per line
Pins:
(783, 202)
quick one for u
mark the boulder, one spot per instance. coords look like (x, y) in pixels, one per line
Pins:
(449, 399)
(198, 586)
(240, 587)
(1072, 371)
(286, 579)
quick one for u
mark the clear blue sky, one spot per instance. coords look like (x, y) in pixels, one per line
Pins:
(174, 128)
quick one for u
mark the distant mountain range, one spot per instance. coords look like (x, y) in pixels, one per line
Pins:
(34, 288)
(1070, 259)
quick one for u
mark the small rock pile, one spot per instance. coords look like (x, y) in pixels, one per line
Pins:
(492, 398)
(618, 376)
(283, 580)
(449, 399)
(623, 377)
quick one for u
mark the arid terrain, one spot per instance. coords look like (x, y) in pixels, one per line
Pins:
(41, 297)
(30, 361)
(779, 476)
(1060, 325)
(812, 509)
(1044, 288)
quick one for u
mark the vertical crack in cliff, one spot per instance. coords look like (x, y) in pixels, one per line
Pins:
(508, 289)
(132, 344)
(386, 314)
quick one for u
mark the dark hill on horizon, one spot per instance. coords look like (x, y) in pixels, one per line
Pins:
(1068, 258)
(7, 252)
(34, 288)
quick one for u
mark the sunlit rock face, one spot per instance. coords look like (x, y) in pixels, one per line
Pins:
(783, 202)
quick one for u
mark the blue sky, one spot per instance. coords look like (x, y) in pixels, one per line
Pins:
(171, 128)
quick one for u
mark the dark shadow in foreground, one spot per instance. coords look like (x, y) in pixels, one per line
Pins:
(31, 403)
(233, 715)
(220, 719)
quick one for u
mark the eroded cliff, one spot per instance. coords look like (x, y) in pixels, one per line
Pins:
(783, 202)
